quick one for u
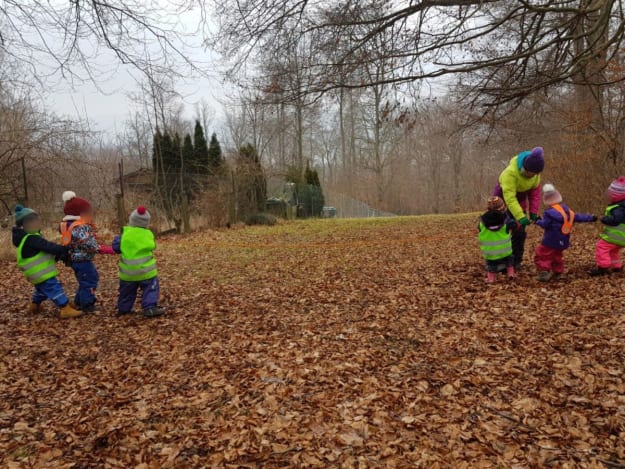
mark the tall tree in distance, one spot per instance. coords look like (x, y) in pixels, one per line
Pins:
(215, 156)
(200, 151)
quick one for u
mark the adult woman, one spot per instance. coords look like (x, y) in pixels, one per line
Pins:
(519, 186)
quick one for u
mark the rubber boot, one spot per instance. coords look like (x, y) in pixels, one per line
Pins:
(34, 308)
(544, 276)
(491, 277)
(511, 273)
(597, 271)
(68, 312)
(153, 312)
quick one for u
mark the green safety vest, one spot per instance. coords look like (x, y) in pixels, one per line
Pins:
(137, 261)
(39, 268)
(495, 245)
(613, 234)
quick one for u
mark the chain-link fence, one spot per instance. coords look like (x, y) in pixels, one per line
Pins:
(348, 207)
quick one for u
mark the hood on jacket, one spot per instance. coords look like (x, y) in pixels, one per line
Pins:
(494, 219)
(18, 235)
(521, 159)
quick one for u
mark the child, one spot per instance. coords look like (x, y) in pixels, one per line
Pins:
(496, 239)
(36, 257)
(613, 236)
(557, 222)
(137, 266)
(78, 233)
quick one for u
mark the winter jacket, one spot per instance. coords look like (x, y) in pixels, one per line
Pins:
(552, 222)
(517, 190)
(84, 244)
(614, 221)
(36, 244)
(617, 215)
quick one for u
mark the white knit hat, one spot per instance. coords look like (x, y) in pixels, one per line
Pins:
(551, 196)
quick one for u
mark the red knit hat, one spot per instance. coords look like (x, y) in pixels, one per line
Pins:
(74, 206)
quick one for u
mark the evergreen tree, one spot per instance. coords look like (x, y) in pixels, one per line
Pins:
(200, 150)
(215, 156)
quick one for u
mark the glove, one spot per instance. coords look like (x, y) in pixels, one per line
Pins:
(595, 218)
(604, 220)
(513, 225)
(524, 222)
(106, 250)
(534, 217)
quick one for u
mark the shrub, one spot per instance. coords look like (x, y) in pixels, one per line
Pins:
(261, 219)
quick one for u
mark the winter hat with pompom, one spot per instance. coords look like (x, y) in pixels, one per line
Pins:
(496, 203)
(21, 213)
(74, 206)
(535, 161)
(616, 191)
(140, 217)
(551, 196)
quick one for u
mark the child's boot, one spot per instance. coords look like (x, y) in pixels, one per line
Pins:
(597, 271)
(491, 277)
(34, 308)
(511, 272)
(68, 312)
(153, 312)
(544, 276)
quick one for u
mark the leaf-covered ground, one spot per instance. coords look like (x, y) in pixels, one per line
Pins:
(367, 343)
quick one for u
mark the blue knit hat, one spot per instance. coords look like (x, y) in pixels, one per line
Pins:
(21, 213)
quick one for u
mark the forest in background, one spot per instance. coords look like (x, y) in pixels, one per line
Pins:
(410, 107)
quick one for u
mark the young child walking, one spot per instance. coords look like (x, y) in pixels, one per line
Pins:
(36, 258)
(613, 237)
(495, 237)
(78, 234)
(137, 266)
(557, 222)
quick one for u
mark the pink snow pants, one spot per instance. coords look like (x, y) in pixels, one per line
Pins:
(607, 255)
(548, 259)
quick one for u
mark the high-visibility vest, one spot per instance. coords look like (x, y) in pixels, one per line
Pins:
(567, 225)
(137, 262)
(38, 268)
(495, 245)
(613, 234)
(66, 230)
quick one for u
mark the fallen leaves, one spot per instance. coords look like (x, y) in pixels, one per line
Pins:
(322, 344)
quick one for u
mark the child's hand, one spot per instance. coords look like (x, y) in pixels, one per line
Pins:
(106, 250)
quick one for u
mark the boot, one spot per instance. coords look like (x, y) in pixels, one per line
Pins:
(68, 312)
(34, 308)
(511, 273)
(544, 276)
(153, 312)
(617, 270)
(491, 277)
(597, 271)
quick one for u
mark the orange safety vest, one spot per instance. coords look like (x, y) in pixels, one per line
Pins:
(567, 225)
(66, 231)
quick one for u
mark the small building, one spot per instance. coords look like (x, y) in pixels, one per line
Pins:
(140, 181)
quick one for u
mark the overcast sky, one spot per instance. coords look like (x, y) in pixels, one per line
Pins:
(106, 104)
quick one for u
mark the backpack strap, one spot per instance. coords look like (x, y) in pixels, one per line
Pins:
(568, 219)
(66, 231)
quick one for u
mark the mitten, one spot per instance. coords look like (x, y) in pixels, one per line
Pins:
(106, 250)
(513, 225)
(534, 216)
(595, 218)
(604, 220)
(525, 222)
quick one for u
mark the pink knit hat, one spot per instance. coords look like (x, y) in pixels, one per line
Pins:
(616, 191)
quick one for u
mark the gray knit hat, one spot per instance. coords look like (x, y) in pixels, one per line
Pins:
(140, 217)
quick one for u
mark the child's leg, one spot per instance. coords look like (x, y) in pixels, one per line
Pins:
(604, 254)
(150, 290)
(543, 258)
(615, 256)
(53, 290)
(88, 278)
(127, 296)
(557, 261)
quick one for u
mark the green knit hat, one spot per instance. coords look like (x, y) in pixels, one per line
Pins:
(21, 213)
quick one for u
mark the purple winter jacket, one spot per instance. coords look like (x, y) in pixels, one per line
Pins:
(552, 223)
